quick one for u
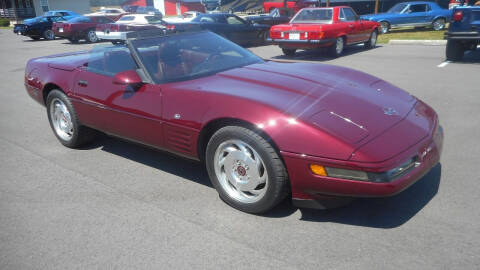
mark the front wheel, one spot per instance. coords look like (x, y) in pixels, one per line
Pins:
(245, 170)
(64, 122)
(384, 27)
(48, 34)
(455, 50)
(289, 52)
(439, 24)
(372, 42)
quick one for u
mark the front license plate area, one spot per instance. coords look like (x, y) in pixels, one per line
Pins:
(294, 36)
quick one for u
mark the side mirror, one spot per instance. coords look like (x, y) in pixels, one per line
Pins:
(127, 77)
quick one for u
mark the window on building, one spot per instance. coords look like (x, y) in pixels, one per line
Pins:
(44, 4)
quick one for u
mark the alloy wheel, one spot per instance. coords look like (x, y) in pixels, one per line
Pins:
(61, 119)
(241, 171)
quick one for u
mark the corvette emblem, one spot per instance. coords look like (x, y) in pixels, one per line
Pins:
(390, 111)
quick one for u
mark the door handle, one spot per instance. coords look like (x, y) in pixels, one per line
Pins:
(83, 83)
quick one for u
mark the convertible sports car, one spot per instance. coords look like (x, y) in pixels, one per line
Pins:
(334, 27)
(264, 129)
(412, 14)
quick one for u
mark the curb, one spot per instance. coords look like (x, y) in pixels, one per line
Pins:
(418, 42)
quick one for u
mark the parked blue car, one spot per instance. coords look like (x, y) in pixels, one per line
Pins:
(412, 14)
(67, 14)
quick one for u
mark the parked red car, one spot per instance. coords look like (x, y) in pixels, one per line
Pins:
(333, 27)
(264, 129)
(78, 28)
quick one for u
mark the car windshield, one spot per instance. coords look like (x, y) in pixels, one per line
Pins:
(81, 19)
(313, 15)
(154, 19)
(189, 56)
(397, 8)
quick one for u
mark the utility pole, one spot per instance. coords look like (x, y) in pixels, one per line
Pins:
(376, 6)
(328, 3)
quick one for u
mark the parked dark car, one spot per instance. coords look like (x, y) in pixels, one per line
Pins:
(80, 28)
(38, 27)
(232, 27)
(464, 32)
(273, 18)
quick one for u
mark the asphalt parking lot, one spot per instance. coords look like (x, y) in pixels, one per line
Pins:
(115, 205)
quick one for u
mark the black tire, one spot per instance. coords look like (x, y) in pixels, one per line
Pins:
(81, 135)
(289, 52)
(48, 34)
(90, 36)
(372, 41)
(73, 40)
(333, 51)
(266, 36)
(277, 180)
(455, 50)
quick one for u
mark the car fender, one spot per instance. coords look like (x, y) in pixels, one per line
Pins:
(287, 133)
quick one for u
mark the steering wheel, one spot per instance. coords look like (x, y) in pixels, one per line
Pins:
(206, 63)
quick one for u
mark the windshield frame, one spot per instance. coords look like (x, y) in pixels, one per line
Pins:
(138, 59)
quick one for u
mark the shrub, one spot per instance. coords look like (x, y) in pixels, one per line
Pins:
(4, 22)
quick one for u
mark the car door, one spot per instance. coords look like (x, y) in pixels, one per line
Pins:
(417, 14)
(241, 31)
(352, 25)
(121, 110)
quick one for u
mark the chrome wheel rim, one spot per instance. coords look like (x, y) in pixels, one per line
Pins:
(92, 37)
(438, 24)
(373, 39)
(339, 46)
(241, 172)
(384, 27)
(61, 119)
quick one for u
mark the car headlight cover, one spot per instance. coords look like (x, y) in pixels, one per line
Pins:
(346, 174)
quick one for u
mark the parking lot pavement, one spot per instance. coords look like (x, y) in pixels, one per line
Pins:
(119, 205)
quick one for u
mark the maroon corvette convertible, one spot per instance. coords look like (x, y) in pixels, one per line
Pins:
(265, 130)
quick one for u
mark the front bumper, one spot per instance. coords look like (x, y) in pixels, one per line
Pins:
(107, 35)
(473, 35)
(307, 188)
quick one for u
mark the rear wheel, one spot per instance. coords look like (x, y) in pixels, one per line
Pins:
(91, 37)
(64, 122)
(439, 24)
(384, 27)
(289, 52)
(455, 50)
(246, 170)
(337, 48)
(48, 34)
(372, 42)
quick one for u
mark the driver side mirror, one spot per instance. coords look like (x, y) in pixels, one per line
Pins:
(127, 77)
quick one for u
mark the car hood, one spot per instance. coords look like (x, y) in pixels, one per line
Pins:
(347, 103)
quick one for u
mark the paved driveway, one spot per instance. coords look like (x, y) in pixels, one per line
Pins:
(119, 205)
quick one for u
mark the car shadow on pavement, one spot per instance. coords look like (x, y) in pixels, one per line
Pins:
(385, 213)
(470, 57)
(189, 169)
(321, 54)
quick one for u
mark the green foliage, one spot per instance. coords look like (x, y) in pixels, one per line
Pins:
(4, 22)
